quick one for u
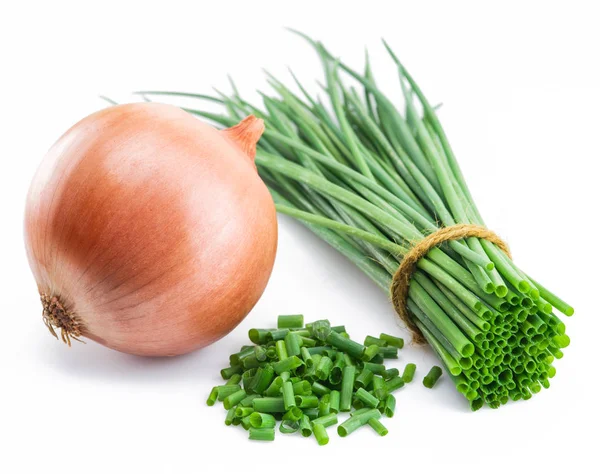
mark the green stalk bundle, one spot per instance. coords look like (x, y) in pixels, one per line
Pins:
(372, 181)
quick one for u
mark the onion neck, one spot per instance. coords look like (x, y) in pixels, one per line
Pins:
(56, 315)
(246, 134)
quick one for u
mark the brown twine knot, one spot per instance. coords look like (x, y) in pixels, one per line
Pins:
(402, 277)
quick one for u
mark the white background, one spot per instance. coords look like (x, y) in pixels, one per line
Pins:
(520, 87)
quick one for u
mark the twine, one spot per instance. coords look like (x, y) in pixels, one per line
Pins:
(402, 277)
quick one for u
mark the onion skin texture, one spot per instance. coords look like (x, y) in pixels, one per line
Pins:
(152, 228)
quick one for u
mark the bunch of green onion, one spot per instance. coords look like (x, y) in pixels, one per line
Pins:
(371, 181)
(306, 375)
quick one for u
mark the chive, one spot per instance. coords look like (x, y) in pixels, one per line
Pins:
(378, 427)
(235, 379)
(230, 371)
(369, 179)
(288, 395)
(275, 388)
(292, 344)
(248, 379)
(293, 414)
(356, 421)
(245, 422)
(258, 336)
(364, 379)
(338, 329)
(242, 412)
(232, 400)
(360, 411)
(271, 353)
(262, 420)
(306, 401)
(327, 420)
(212, 397)
(347, 387)
(289, 426)
(236, 359)
(324, 368)
(365, 397)
(277, 334)
(392, 341)
(432, 377)
(379, 388)
(394, 384)
(354, 349)
(320, 329)
(302, 387)
(371, 352)
(324, 407)
(303, 332)
(288, 364)
(378, 369)
(312, 413)
(305, 427)
(335, 376)
(307, 341)
(320, 434)
(290, 321)
(334, 401)
(269, 405)
(390, 374)
(348, 360)
(230, 416)
(389, 352)
(260, 353)
(262, 379)
(281, 350)
(261, 434)
(223, 391)
(318, 350)
(370, 340)
(319, 389)
(250, 362)
(409, 373)
(390, 406)
(248, 401)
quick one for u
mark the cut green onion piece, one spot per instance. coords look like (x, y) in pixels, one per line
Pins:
(389, 406)
(262, 420)
(212, 397)
(289, 400)
(305, 427)
(290, 321)
(409, 373)
(347, 388)
(261, 434)
(307, 401)
(392, 340)
(334, 401)
(269, 405)
(365, 397)
(320, 434)
(327, 420)
(233, 399)
(432, 377)
(378, 427)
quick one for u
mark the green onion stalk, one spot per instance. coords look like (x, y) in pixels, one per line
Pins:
(371, 179)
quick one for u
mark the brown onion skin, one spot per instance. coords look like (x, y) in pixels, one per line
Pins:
(152, 227)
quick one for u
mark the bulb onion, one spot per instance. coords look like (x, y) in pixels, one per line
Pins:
(149, 231)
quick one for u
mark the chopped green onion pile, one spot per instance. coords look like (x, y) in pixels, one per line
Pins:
(304, 376)
(371, 180)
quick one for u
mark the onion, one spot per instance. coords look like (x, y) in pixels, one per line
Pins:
(149, 231)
